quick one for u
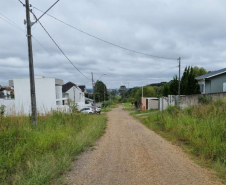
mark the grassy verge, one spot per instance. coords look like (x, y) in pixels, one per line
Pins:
(143, 112)
(128, 106)
(38, 155)
(106, 110)
(201, 131)
(113, 106)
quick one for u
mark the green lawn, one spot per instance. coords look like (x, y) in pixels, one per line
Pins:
(38, 155)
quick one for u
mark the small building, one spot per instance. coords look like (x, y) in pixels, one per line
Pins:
(75, 94)
(213, 82)
(149, 103)
(49, 95)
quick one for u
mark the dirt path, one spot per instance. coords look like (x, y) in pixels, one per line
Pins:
(131, 154)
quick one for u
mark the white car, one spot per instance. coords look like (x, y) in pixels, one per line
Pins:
(87, 110)
(96, 110)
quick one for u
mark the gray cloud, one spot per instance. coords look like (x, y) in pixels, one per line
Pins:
(193, 30)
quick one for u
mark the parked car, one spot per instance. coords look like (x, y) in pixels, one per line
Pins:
(88, 110)
(96, 109)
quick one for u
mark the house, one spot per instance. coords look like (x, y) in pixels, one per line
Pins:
(122, 88)
(75, 94)
(213, 82)
(149, 103)
(83, 88)
(49, 95)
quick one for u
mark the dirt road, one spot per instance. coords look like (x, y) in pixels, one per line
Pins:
(131, 154)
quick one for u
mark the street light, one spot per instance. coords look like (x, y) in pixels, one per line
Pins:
(101, 76)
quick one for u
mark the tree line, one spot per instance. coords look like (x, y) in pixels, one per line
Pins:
(189, 85)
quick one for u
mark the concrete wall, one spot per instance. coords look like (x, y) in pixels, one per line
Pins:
(163, 103)
(153, 104)
(192, 100)
(9, 106)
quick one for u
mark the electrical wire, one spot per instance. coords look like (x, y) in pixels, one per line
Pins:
(14, 25)
(20, 29)
(21, 3)
(155, 56)
(59, 46)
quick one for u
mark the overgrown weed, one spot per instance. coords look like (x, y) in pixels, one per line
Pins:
(202, 129)
(37, 155)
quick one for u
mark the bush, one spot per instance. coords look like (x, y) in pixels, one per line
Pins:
(106, 104)
(173, 109)
(205, 99)
(219, 102)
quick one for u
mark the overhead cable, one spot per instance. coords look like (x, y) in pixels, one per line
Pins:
(155, 56)
(59, 47)
(20, 29)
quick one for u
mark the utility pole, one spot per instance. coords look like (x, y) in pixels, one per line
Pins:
(104, 93)
(179, 82)
(93, 90)
(142, 91)
(74, 93)
(31, 66)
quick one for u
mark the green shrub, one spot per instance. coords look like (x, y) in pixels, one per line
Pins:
(204, 99)
(219, 102)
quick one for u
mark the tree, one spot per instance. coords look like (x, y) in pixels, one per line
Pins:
(166, 90)
(147, 92)
(101, 92)
(199, 71)
(173, 87)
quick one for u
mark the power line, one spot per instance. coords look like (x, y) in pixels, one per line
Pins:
(155, 56)
(59, 47)
(14, 25)
(20, 29)
(21, 3)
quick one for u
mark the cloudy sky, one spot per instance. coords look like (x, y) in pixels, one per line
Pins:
(190, 29)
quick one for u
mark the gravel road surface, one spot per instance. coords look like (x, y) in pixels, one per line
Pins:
(131, 154)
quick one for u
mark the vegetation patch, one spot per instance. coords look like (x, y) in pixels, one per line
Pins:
(38, 155)
(200, 130)
(143, 112)
(129, 106)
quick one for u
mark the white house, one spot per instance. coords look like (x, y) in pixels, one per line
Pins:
(49, 95)
(75, 94)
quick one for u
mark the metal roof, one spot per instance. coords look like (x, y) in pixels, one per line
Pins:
(212, 74)
(151, 98)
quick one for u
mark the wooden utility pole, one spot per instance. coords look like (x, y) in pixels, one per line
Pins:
(93, 90)
(179, 83)
(31, 66)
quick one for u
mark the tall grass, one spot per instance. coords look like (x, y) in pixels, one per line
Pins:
(37, 155)
(202, 129)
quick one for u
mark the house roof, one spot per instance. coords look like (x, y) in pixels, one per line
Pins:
(151, 98)
(68, 86)
(82, 87)
(212, 74)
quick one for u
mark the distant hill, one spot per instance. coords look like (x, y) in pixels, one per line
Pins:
(158, 84)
